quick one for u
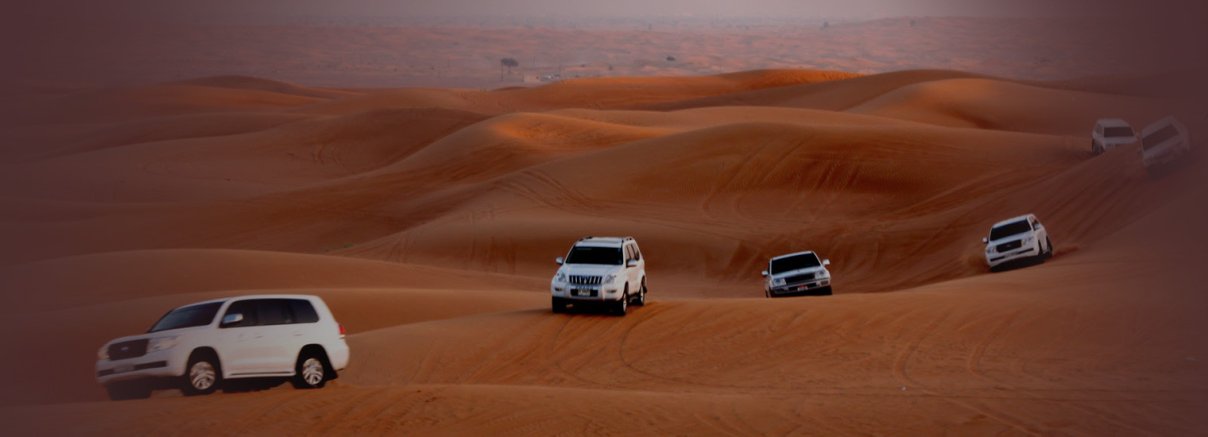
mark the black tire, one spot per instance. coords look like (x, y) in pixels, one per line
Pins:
(1048, 244)
(557, 305)
(640, 299)
(311, 371)
(128, 390)
(203, 374)
(621, 307)
(825, 291)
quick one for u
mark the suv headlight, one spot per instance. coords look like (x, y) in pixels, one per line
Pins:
(609, 278)
(560, 277)
(778, 281)
(1029, 239)
(161, 344)
(103, 353)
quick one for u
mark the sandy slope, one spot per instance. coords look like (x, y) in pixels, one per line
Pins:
(428, 219)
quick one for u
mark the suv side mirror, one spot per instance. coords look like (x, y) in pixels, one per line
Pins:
(985, 240)
(631, 263)
(826, 262)
(764, 273)
(559, 260)
(232, 319)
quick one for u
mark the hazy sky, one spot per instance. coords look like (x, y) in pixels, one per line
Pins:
(567, 8)
(729, 8)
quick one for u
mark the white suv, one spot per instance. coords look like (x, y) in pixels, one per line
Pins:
(1018, 238)
(600, 270)
(797, 274)
(197, 346)
(1163, 142)
(1110, 133)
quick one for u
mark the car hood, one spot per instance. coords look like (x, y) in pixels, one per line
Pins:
(589, 269)
(149, 335)
(814, 270)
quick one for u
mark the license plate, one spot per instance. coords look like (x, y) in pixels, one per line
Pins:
(582, 292)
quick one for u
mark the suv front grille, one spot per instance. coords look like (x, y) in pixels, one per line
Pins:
(1010, 246)
(127, 349)
(798, 278)
(586, 280)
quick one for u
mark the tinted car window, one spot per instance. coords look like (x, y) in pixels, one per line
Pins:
(803, 261)
(187, 317)
(1118, 132)
(274, 312)
(245, 307)
(595, 255)
(303, 311)
(1159, 137)
(1009, 229)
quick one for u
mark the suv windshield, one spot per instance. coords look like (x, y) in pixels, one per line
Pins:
(595, 255)
(1009, 229)
(1159, 137)
(187, 317)
(795, 262)
(1118, 132)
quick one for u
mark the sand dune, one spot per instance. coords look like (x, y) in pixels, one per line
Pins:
(428, 219)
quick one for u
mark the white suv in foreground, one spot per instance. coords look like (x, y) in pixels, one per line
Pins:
(797, 274)
(197, 346)
(1110, 133)
(1163, 142)
(600, 270)
(1015, 239)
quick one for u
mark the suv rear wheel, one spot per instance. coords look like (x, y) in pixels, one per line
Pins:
(311, 370)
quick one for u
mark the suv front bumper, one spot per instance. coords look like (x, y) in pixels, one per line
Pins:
(156, 364)
(996, 258)
(571, 293)
(803, 288)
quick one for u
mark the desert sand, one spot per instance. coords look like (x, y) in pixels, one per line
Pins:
(429, 219)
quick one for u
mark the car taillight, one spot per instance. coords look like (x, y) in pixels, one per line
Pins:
(342, 331)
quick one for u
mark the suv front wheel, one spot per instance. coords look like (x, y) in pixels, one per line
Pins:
(622, 306)
(202, 375)
(640, 299)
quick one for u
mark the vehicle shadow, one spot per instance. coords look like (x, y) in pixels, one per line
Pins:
(246, 385)
(595, 309)
(1018, 264)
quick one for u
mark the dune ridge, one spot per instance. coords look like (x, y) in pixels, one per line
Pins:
(429, 219)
